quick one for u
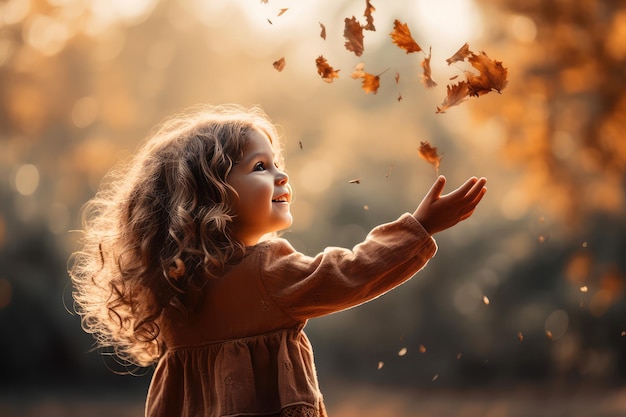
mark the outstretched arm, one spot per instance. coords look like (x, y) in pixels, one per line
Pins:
(439, 212)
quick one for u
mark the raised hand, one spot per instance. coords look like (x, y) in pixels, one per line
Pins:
(439, 212)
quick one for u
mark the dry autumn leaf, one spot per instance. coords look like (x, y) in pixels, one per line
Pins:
(427, 79)
(282, 11)
(460, 55)
(369, 9)
(323, 31)
(492, 75)
(327, 72)
(279, 64)
(430, 155)
(401, 36)
(353, 32)
(370, 83)
(456, 95)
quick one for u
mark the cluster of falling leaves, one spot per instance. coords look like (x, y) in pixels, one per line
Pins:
(492, 76)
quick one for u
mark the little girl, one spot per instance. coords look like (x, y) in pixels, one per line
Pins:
(181, 266)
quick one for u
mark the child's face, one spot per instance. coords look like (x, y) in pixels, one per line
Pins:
(263, 189)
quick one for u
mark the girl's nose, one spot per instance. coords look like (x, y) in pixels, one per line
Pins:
(282, 178)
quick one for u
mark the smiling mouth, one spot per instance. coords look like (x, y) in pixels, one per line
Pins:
(281, 199)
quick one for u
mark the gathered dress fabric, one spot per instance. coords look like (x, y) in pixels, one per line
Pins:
(243, 352)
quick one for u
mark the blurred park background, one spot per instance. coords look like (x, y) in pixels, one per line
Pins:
(523, 310)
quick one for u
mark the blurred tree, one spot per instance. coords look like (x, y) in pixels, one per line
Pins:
(564, 115)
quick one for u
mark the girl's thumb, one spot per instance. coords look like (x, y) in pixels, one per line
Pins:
(438, 186)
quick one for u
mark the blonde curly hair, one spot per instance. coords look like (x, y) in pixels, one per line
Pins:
(159, 227)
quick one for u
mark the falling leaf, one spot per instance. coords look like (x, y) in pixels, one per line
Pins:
(584, 288)
(370, 83)
(397, 77)
(270, 22)
(264, 1)
(355, 181)
(492, 75)
(323, 32)
(402, 351)
(454, 77)
(542, 239)
(422, 349)
(460, 55)
(623, 333)
(300, 143)
(369, 9)
(366, 207)
(326, 71)
(429, 154)
(456, 95)
(401, 36)
(435, 377)
(485, 300)
(399, 97)
(549, 334)
(520, 336)
(353, 32)
(426, 75)
(380, 365)
(358, 71)
(282, 11)
(279, 64)
(458, 356)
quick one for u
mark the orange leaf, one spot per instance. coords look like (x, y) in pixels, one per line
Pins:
(456, 95)
(401, 36)
(326, 71)
(430, 155)
(370, 83)
(492, 75)
(353, 32)
(460, 55)
(282, 11)
(323, 32)
(280, 64)
(426, 76)
(369, 9)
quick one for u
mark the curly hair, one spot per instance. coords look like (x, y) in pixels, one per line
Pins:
(159, 227)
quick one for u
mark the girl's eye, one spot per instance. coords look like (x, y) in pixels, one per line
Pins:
(259, 166)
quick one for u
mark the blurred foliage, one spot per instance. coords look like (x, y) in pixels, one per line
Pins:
(82, 82)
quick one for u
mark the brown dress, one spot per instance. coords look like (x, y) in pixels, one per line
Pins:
(243, 353)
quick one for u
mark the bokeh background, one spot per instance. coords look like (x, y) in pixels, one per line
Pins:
(521, 313)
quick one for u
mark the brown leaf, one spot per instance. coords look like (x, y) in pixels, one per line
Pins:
(323, 32)
(460, 55)
(326, 71)
(279, 64)
(430, 155)
(353, 32)
(370, 83)
(397, 77)
(492, 75)
(355, 181)
(282, 11)
(401, 36)
(369, 9)
(456, 95)
(426, 75)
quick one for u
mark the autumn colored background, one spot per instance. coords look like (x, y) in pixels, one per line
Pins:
(523, 310)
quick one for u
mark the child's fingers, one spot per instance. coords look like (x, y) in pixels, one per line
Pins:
(437, 188)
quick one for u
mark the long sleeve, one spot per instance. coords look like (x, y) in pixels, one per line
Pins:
(337, 278)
